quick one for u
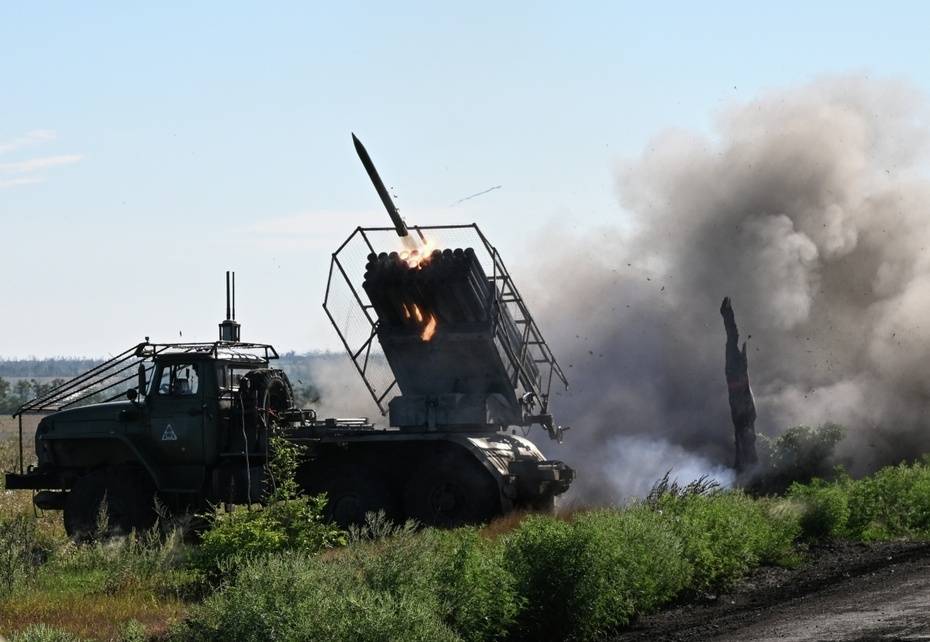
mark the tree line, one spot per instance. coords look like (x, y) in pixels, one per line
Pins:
(14, 395)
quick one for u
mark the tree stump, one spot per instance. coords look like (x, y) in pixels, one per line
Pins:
(742, 404)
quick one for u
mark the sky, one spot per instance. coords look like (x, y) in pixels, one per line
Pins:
(146, 149)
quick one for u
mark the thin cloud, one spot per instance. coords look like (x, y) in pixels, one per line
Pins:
(36, 164)
(20, 180)
(28, 139)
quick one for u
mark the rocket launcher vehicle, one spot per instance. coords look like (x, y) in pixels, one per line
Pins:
(463, 349)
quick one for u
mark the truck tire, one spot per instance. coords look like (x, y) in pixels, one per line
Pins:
(274, 389)
(450, 491)
(130, 504)
(352, 492)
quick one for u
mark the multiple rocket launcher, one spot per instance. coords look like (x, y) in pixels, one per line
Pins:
(445, 328)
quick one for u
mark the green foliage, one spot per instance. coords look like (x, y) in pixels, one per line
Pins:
(285, 459)
(448, 585)
(799, 454)
(23, 548)
(44, 633)
(290, 520)
(295, 596)
(12, 396)
(825, 508)
(891, 503)
(293, 524)
(133, 631)
(477, 593)
(727, 533)
(894, 502)
(585, 579)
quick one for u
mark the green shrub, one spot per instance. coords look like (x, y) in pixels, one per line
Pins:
(894, 502)
(460, 575)
(799, 454)
(825, 508)
(726, 534)
(586, 579)
(20, 551)
(289, 521)
(477, 594)
(295, 596)
(44, 633)
(294, 524)
(133, 631)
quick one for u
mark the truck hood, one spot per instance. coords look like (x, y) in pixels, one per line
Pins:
(98, 413)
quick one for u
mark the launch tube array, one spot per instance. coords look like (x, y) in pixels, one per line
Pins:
(449, 284)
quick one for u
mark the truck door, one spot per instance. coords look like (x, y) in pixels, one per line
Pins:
(177, 413)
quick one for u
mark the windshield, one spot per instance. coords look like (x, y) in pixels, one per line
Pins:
(178, 380)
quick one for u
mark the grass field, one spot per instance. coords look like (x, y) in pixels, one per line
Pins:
(582, 575)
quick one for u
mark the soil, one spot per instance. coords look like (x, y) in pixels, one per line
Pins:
(844, 591)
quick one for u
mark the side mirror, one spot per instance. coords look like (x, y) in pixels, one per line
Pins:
(131, 394)
(141, 384)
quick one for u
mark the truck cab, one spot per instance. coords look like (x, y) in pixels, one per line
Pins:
(183, 431)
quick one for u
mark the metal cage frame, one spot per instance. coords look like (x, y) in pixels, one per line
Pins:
(505, 294)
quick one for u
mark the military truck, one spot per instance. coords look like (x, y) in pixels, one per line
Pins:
(442, 340)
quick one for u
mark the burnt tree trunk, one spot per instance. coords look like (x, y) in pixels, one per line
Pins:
(742, 405)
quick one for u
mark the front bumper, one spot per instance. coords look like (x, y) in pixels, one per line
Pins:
(33, 479)
(532, 480)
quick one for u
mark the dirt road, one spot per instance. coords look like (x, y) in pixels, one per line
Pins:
(850, 592)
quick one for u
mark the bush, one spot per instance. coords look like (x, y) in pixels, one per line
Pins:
(586, 579)
(133, 631)
(727, 533)
(44, 633)
(290, 520)
(295, 596)
(891, 503)
(293, 524)
(459, 574)
(825, 511)
(894, 502)
(477, 594)
(20, 551)
(799, 454)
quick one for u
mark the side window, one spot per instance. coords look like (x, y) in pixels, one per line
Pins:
(179, 380)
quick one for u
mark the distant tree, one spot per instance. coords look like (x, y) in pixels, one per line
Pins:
(5, 400)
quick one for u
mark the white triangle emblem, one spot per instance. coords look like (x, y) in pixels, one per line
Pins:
(169, 434)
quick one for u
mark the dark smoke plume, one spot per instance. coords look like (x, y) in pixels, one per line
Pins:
(810, 207)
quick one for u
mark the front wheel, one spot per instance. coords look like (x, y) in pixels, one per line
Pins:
(109, 502)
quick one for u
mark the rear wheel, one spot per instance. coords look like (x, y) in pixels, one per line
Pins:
(109, 502)
(452, 490)
(352, 491)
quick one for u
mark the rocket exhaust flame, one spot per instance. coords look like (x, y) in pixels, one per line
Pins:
(429, 329)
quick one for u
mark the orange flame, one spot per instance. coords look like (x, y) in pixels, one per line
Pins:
(429, 329)
(419, 255)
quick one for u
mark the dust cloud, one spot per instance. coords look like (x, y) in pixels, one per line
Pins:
(809, 207)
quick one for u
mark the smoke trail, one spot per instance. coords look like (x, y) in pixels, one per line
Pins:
(808, 208)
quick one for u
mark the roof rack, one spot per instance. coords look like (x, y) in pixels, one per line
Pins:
(98, 384)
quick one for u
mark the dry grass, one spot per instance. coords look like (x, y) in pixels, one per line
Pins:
(78, 600)
(91, 616)
(503, 524)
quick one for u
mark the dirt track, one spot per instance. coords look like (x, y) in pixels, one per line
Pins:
(851, 592)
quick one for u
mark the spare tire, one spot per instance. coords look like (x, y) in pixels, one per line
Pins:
(274, 391)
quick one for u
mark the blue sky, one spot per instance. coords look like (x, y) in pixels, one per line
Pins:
(146, 149)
